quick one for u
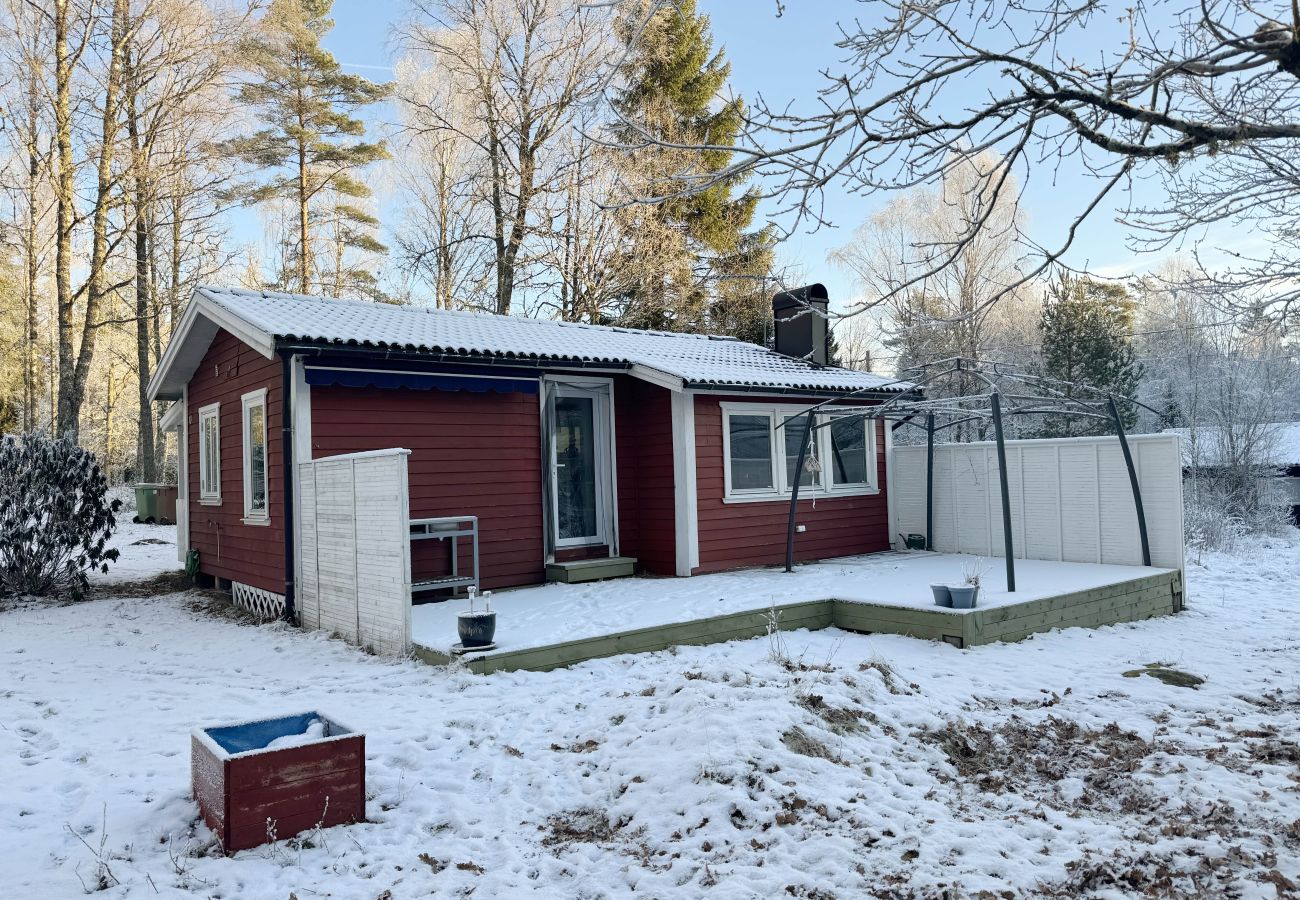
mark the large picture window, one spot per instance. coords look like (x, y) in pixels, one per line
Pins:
(761, 454)
(210, 453)
(255, 477)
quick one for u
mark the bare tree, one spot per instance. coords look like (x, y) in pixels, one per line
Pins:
(977, 306)
(443, 239)
(527, 67)
(1203, 97)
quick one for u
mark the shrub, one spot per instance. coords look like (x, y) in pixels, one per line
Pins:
(55, 516)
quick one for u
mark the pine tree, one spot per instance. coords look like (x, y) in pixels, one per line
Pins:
(1086, 327)
(310, 145)
(674, 80)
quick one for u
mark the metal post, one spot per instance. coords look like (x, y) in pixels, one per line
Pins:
(794, 490)
(929, 481)
(1132, 480)
(996, 399)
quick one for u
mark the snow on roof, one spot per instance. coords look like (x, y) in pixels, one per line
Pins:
(1282, 440)
(697, 360)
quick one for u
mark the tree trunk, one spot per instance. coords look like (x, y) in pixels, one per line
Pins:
(30, 238)
(95, 287)
(64, 200)
(145, 455)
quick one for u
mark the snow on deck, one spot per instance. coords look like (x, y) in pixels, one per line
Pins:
(555, 613)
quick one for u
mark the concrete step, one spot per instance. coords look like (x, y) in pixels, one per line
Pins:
(578, 570)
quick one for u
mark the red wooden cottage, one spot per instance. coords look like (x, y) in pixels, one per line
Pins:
(569, 442)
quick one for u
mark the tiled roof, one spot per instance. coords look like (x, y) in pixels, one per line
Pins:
(700, 360)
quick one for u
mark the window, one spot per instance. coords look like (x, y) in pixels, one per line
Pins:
(761, 454)
(848, 443)
(210, 454)
(750, 457)
(255, 493)
(793, 430)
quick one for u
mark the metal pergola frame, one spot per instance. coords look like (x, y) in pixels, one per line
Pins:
(1032, 395)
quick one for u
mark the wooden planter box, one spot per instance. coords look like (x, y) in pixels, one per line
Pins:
(247, 792)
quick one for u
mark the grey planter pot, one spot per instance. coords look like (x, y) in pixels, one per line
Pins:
(963, 596)
(476, 629)
(942, 597)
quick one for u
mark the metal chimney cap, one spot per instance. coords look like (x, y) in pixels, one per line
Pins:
(801, 296)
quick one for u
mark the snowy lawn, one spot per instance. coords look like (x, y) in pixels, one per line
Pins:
(842, 766)
(553, 613)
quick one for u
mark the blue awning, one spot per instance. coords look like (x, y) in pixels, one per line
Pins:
(420, 381)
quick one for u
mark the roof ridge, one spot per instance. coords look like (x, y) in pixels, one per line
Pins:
(464, 313)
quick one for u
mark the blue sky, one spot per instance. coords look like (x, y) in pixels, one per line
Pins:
(781, 58)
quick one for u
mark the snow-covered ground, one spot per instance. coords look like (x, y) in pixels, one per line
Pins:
(836, 766)
(146, 550)
(548, 614)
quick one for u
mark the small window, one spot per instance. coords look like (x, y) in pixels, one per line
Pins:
(849, 463)
(255, 478)
(750, 442)
(210, 453)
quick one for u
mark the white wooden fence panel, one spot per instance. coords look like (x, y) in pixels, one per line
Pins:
(1070, 498)
(308, 599)
(354, 548)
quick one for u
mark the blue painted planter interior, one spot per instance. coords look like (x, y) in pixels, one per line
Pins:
(256, 735)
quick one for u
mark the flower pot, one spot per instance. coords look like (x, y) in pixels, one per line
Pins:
(963, 595)
(476, 628)
(941, 595)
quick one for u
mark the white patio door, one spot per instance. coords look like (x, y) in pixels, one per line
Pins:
(581, 473)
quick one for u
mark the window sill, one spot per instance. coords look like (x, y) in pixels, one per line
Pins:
(803, 495)
(256, 520)
(209, 501)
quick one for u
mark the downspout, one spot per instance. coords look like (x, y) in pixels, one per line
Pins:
(287, 467)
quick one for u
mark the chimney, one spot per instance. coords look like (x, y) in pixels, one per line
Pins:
(799, 318)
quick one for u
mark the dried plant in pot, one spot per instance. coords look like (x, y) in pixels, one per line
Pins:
(966, 595)
(477, 627)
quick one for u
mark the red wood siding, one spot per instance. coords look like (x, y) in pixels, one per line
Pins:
(471, 454)
(643, 433)
(753, 534)
(251, 554)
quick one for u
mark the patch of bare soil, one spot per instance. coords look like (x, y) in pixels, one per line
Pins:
(214, 604)
(163, 583)
(839, 720)
(1029, 758)
(585, 825)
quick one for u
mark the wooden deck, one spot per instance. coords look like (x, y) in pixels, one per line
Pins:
(1127, 601)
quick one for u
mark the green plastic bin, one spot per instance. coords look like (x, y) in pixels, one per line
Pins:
(146, 502)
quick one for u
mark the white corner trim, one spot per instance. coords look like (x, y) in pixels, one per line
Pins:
(686, 518)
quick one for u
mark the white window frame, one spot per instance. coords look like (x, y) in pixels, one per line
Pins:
(248, 402)
(779, 412)
(209, 495)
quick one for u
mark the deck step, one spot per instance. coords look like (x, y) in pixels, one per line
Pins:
(574, 571)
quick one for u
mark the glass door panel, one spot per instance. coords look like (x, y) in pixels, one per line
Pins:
(576, 463)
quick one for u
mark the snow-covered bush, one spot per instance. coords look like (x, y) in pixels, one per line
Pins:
(1219, 520)
(55, 516)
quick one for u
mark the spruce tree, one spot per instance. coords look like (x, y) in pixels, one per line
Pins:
(311, 145)
(1086, 327)
(673, 79)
